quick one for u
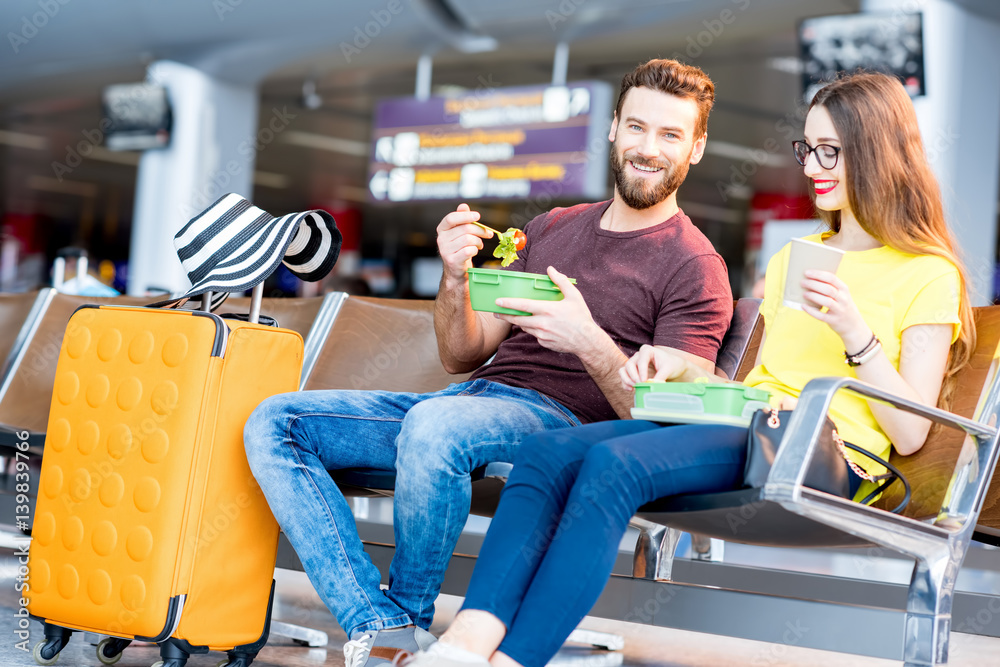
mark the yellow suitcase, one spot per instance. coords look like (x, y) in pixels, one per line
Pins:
(149, 524)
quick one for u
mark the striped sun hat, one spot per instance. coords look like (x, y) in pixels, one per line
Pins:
(233, 246)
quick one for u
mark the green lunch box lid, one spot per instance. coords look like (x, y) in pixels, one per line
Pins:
(702, 402)
(504, 273)
(703, 388)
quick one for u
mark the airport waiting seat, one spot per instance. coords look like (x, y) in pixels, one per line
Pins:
(20, 315)
(738, 351)
(387, 344)
(379, 344)
(30, 367)
(30, 370)
(17, 310)
(950, 478)
(295, 313)
(29, 373)
(423, 372)
(27, 381)
(930, 469)
(383, 344)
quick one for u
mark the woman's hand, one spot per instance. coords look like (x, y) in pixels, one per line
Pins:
(664, 366)
(787, 403)
(823, 289)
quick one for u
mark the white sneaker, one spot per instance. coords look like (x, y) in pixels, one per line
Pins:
(363, 649)
(445, 655)
(356, 650)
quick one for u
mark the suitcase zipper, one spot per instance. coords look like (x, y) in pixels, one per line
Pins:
(221, 333)
(174, 610)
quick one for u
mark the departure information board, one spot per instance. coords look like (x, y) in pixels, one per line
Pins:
(493, 144)
(886, 42)
(137, 117)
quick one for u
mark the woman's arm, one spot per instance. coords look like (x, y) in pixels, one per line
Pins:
(922, 362)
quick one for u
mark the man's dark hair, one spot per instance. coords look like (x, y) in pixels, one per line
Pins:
(673, 78)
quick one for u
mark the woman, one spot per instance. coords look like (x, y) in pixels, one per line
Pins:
(897, 308)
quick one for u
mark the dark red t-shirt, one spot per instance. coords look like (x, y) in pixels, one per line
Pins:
(663, 285)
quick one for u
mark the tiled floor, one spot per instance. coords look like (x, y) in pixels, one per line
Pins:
(297, 603)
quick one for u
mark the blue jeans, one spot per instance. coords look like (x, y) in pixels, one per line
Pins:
(566, 506)
(433, 441)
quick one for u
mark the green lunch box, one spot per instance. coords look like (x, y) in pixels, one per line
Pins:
(488, 285)
(698, 402)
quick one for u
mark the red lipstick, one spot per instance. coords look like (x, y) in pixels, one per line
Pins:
(823, 187)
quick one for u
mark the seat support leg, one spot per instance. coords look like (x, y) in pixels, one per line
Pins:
(303, 635)
(928, 611)
(707, 548)
(601, 640)
(654, 552)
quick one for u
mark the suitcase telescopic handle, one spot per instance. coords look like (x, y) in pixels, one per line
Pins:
(256, 298)
(71, 251)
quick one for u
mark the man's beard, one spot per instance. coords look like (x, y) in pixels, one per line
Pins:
(637, 194)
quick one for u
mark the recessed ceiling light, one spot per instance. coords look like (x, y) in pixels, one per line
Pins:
(323, 142)
(23, 140)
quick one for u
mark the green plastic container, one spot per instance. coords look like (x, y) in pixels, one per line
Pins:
(488, 285)
(698, 402)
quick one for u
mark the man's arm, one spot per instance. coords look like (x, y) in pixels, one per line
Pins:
(567, 326)
(465, 338)
(602, 362)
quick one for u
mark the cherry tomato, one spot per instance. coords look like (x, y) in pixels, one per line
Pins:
(520, 240)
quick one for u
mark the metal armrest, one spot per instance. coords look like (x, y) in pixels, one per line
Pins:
(498, 470)
(320, 329)
(784, 483)
(24, 336)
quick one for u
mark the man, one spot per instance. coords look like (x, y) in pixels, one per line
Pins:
(645, 275)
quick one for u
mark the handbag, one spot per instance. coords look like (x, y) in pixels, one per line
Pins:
(827, 471)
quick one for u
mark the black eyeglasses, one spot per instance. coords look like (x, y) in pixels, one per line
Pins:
(826, 154)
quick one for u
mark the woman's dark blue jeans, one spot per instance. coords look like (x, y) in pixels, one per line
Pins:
(554, 540)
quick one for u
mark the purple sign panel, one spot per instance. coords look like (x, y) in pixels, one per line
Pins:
(506, 143)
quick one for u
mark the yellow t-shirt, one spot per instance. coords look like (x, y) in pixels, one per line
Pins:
(893, 291)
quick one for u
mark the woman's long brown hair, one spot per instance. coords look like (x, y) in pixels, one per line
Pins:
(890, 186)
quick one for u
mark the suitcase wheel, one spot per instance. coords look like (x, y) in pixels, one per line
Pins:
(235, 661)
(171, 662)
(109, 650)
(47, 652)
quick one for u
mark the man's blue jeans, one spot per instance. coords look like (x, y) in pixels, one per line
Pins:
(433, 441)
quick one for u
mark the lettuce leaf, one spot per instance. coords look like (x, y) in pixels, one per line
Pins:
(505, 249)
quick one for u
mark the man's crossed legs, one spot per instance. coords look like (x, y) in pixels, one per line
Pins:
(433, 441)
